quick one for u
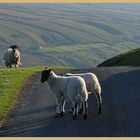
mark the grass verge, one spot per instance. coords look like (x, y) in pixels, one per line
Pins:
(11, 84)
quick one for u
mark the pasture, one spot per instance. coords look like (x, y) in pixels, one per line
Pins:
(67, 33)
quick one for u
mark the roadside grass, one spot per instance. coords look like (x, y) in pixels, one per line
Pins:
(11, 84)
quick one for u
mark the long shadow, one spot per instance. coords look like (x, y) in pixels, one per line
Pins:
(29, 120)
(119, 118)
(40, 122)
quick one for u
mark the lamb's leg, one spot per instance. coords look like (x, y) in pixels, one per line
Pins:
(62, 106)
(71, 109)
(58, 102)
(80, 104)
(14, 65)
(80, 107)
(85, 110)
(73, 100)
(10, 66)
(75, 112)
(99, 99)
(6, 65)
(57, 111)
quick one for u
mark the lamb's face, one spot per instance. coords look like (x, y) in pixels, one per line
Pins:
(45, 75)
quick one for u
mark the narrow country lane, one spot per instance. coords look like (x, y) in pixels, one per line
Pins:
(34, 114)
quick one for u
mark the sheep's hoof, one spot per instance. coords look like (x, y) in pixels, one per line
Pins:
(62, 114)
(85, 117)
(99, 111)
(57, 115)
(80, 111)
(71, 110)
(74, 117)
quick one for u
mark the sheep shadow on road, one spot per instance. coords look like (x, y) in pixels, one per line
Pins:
(34, 116)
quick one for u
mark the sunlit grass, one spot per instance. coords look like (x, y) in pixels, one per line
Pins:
(11, 84)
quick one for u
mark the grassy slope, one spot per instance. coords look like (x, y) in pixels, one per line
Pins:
(11, 83)
(130, 58)
(83, 55)
(58, 27)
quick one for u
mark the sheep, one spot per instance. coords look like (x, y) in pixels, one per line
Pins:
(93, 86)
(62, 87)
(12, 58)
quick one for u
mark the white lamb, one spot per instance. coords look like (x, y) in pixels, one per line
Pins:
(93, 86)
(12, 58)
(62, 87)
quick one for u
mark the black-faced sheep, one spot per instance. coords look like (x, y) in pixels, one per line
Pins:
(93, 86)
(12, 57)
(63, 87)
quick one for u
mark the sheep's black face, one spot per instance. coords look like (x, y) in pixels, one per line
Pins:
(45, 75)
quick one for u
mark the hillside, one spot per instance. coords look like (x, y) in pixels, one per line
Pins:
(130, 58)
(81, 35)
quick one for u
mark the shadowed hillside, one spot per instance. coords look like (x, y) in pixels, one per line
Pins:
(63, 34)
(131, 58)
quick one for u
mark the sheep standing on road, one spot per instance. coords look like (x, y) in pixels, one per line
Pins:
(93, 86)
(62, 87)
(12, 57)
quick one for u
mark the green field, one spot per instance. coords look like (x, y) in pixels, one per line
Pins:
(79, 35)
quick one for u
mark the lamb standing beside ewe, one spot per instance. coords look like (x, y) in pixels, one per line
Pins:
(12, 57)
(62, 87)
(93, 86)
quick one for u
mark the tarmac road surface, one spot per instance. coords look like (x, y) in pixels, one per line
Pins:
(34, 114)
